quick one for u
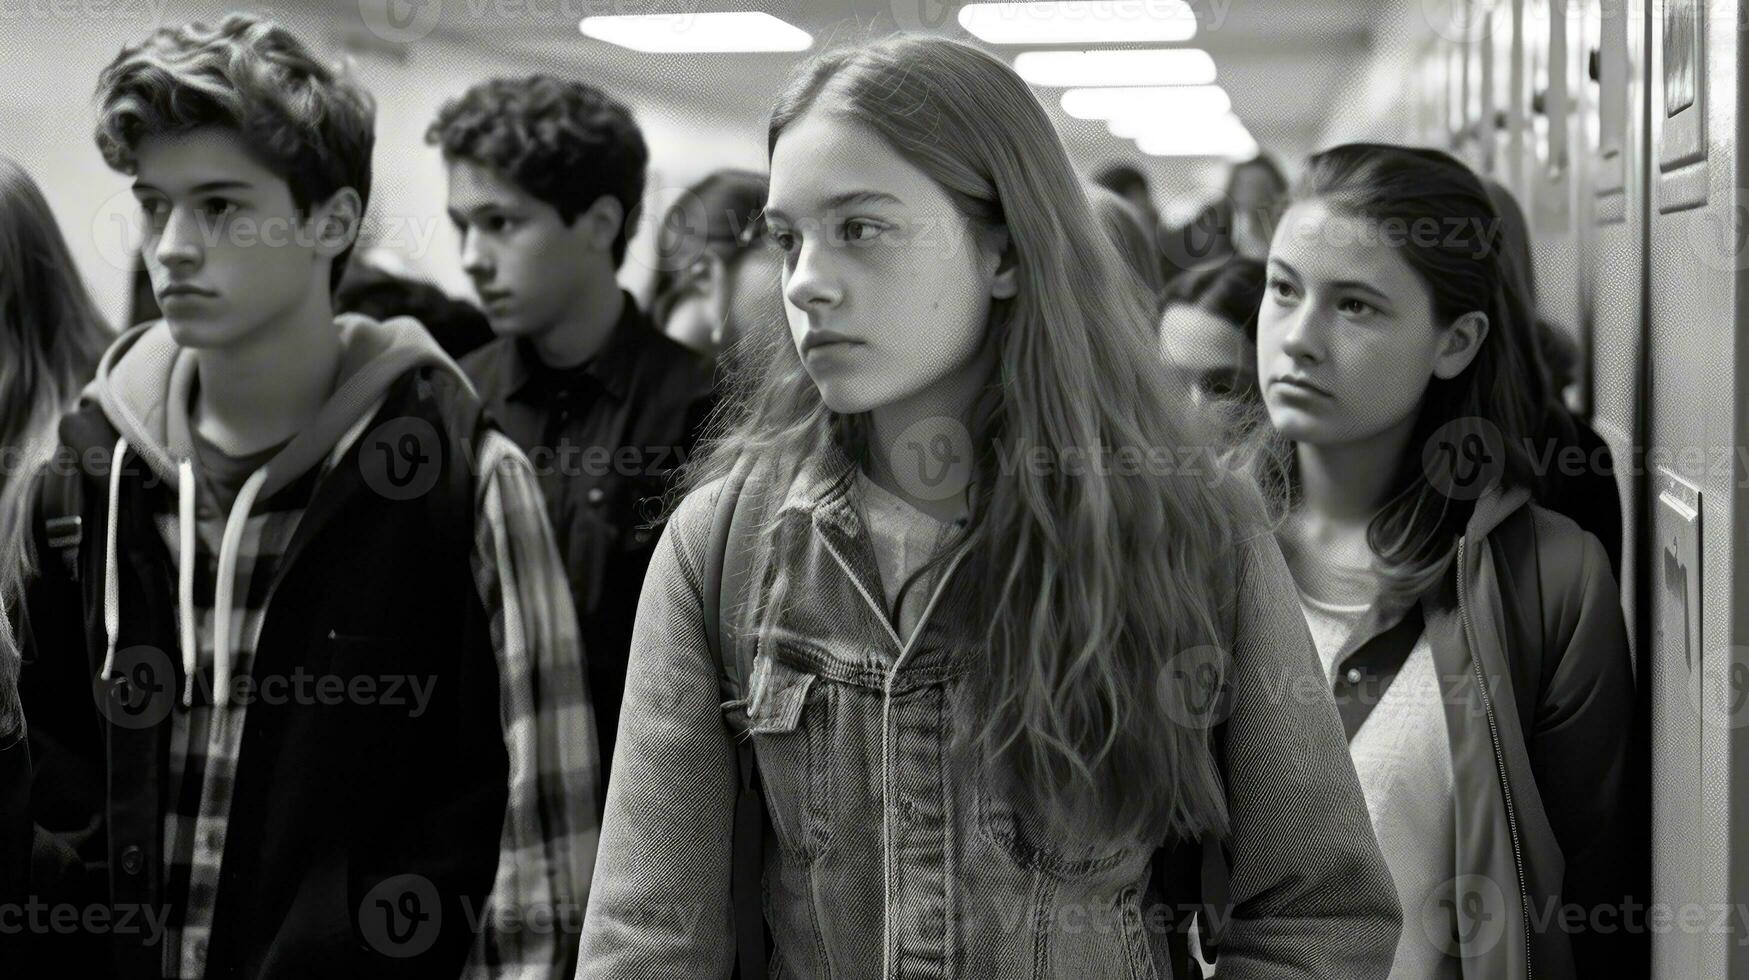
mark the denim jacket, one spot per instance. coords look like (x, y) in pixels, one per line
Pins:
(891, 857)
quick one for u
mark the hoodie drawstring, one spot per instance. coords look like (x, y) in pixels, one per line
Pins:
(226, 586)
(185, 577)
(112, 587)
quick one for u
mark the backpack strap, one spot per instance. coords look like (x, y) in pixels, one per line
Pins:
(59, 521)
(1518, 569)
(728, 566)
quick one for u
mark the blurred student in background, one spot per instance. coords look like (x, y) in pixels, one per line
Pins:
(710, 249)
(1127, 229)
(368, 289)
(1208, 335)
(544, 176)
(51, 336)
(1586, 491)
(1238, 222)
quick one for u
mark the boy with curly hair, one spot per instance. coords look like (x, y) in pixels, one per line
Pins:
(340, 724)
(545, 175)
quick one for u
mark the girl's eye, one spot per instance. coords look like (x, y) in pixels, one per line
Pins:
(782, 238)
(857, 230)
(1355, 307)
(218, 207)
(1281, 288)
(496, 223)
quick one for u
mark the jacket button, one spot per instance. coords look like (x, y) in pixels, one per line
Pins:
(132, 859)
(596, 495)
(1354, 675)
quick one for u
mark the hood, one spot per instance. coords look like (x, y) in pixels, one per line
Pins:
(144, 381)
(144, 385)
(1493, 508)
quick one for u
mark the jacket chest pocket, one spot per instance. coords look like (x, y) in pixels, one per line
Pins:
(1026, 840)
(790, 717)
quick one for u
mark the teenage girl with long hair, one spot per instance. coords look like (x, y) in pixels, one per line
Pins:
(1474, 641)
(51, 335)
(1004, 650)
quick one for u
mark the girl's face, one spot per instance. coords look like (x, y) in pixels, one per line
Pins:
(887, 286)
(1212, 359)
(1346, 339)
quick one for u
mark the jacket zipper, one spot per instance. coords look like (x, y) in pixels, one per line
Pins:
(886, 724)
(1499, 757)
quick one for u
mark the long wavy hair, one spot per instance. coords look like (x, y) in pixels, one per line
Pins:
(51, 336)
(1466, 267)
(1083, 587)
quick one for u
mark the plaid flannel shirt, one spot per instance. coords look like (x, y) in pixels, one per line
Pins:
(547, 847)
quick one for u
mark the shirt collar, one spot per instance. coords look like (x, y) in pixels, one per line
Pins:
(611, 369)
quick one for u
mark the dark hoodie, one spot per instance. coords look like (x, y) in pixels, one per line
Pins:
(279, 828)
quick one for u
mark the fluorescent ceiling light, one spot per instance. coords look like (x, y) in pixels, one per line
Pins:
(1132, 21)
(697, 33)
(1221, 136)
(1169, 100)
(1164, 66)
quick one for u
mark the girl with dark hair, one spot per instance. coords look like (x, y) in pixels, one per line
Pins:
(1474, 640)
(715, 263)
(986, 650)
(1208, 334)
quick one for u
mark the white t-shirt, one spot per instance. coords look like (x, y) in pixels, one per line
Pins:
(904, 539)
(1403, 758)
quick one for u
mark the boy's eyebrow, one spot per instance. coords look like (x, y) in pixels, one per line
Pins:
(846, 199)
(205, 187)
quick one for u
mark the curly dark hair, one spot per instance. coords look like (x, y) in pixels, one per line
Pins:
(311, 123)
(563, 141)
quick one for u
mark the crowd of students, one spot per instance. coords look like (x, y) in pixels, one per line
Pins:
(956, 573)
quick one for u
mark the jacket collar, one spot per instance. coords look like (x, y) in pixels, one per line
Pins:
(822, 489)
(1492, 508)
(528, 377)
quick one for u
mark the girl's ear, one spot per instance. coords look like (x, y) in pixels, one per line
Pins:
(1462, 341)
(1005, 281)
